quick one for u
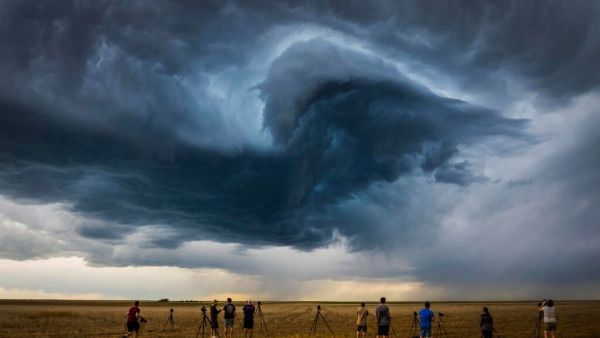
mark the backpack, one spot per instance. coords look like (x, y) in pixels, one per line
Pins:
(229, 310)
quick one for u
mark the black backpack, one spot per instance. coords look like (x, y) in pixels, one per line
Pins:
(229, 310)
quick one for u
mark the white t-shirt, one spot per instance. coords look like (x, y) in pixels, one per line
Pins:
(549, 314)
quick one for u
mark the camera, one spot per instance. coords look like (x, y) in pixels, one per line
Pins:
(143, 320)
(203, 308)
(440, 314)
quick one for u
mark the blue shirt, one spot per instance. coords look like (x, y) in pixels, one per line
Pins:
(425, 317)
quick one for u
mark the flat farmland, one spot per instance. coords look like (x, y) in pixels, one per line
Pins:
(55, 318)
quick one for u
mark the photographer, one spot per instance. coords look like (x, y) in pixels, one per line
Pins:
(547, 308)
(133, 320)
(425, 319)
(214, 318)
(229, 316)
(249, 310)
(382, 313)
(486, 324)
(361, 321)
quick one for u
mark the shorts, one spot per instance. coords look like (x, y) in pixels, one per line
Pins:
(425, 332)
(550, 326)
(248, 324)
(133, 326)
(383, 330)
(229, 322)
(361, 328)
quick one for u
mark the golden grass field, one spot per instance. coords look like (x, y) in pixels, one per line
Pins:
(23, 318)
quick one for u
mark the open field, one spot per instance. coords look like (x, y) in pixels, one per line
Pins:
(22, 318)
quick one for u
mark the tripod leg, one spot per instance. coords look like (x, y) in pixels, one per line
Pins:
(445, 332)
(263, 323)
(313, 328)
(326, 324)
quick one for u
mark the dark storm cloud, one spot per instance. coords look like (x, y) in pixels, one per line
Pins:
(106, 105)
(457, 173)
(549, 47)
(345, 130)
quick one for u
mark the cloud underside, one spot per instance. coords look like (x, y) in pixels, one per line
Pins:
(345, 134)
(392, 127)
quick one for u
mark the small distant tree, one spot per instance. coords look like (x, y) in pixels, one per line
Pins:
(164, 300)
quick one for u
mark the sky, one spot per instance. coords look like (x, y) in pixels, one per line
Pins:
(327, 150)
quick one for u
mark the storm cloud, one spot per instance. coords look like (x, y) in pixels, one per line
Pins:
(335, 134)
(277, 124)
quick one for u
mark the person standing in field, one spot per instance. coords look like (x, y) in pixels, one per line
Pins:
(229, 315)
(425, 319)
(214, 318)
(549, 318)
(382, 313)
(486, 324)
(133, 315)
(249, 310)
(361, 321)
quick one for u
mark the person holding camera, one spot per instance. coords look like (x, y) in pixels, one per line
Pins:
(133, 320)
(486, 324)
(425, 319)
(382, 313)
(214, 318)
(547, 308)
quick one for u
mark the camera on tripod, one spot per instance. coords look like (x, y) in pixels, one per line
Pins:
(203, 308)
(441, 314)
(143, 320)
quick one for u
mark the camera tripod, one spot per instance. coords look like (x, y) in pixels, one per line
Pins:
(171, 321)
(537, 332)
(413, 331)
(204, 324)
(440, 330)
(319, 315)
(261, 319)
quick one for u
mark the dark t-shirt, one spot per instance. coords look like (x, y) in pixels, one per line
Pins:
(229, 310)
(132, 314)
(383, 315)
(214, 313)
(249, 311)
(486, 322)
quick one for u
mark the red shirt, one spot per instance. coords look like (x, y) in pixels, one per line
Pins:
(132, 314)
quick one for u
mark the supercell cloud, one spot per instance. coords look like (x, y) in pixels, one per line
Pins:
(455, 139)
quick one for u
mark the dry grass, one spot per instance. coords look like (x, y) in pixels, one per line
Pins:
(106, 318)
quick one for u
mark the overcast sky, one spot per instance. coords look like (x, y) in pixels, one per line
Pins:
(333, 150)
